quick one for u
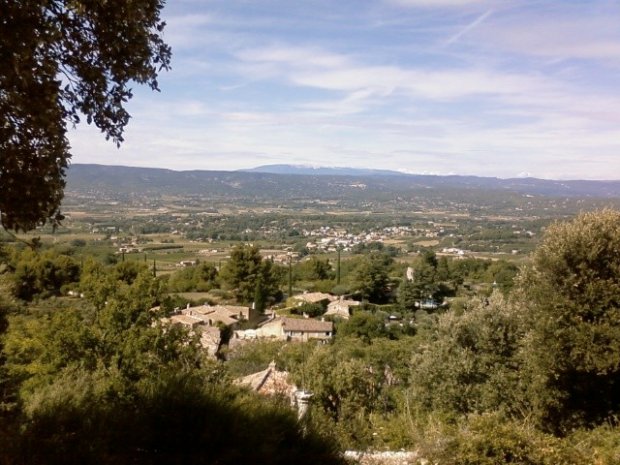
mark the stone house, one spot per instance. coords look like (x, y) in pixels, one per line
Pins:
(341, 308)
(269, 382)
(313, 297)
(205, 321)
(296, 329)
(226, 314)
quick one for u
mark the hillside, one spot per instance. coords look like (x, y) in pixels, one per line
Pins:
(323, 185)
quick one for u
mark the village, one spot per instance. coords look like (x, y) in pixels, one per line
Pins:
(211, 322)
(216, 326)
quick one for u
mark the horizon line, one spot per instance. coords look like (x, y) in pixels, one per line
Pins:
(396, 172)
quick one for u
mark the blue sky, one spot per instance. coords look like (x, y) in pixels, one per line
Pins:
(485, 87)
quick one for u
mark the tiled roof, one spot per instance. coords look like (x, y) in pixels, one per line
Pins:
(185, 320)
(313, 297)
(306, 325)
(216, 313)
(348, 303)
(269, 381)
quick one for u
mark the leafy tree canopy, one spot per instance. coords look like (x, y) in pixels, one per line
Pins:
(371, 278)
(250, 276)
(61, 60)
(573, 350)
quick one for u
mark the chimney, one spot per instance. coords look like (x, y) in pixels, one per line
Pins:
(303, 399)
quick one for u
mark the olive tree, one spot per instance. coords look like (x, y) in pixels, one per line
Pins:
(572, 352)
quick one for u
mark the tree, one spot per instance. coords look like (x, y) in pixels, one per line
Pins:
(8, 386)
(424, 285)
(42, 273)
(443, 269)
(468, 365)
(354, 383)
(239, 273)
(314, 269)
(363, 325)
(428, 257)
(371, 279)
(502, 273)
(260, 295)
(60, 59)
(572, 353)
(200, 278)
(408, 296)
(246, 271)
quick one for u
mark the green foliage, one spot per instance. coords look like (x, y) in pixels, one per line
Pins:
(112, 387)
(127, 271)
(355, 385)
(65, 59)
(526, 376)
(42, 274)
(430, 281)
(428, 257)
(370, 278)
(503, 274)
(443, 269)
(200, 278)
(8, 384)
(408, 296)
(131, 279)
(78, 243)
(363, 325)
(313, 269)
(246, 271)
(310, 309)
(171, 418)
(171, 302)
(367, 247)
(601, 445)
(468, 268)
(468, 364)
(572, 353)
(260, 293)
(490, 439)
(340, 290)
(253, 357)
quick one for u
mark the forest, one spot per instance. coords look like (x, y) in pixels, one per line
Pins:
(515, 364)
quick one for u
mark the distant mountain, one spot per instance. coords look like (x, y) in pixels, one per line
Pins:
(572, 188)
(320, 171)
(320, 184)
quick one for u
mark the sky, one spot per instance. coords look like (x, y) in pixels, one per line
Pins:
(505, 88)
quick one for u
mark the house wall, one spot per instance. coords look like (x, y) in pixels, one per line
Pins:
(307, 335)
(271, 329)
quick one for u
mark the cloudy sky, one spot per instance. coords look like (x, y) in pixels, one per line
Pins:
(501, 88)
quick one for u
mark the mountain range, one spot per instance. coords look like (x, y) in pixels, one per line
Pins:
(289, 181)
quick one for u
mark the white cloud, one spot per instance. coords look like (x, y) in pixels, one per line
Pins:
(293, 56)
(364, 84)
(512, 92)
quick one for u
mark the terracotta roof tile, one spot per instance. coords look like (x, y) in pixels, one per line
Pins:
(306, 325)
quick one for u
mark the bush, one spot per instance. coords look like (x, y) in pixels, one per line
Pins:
(489, 439)
(312, 310)
(171, 420)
